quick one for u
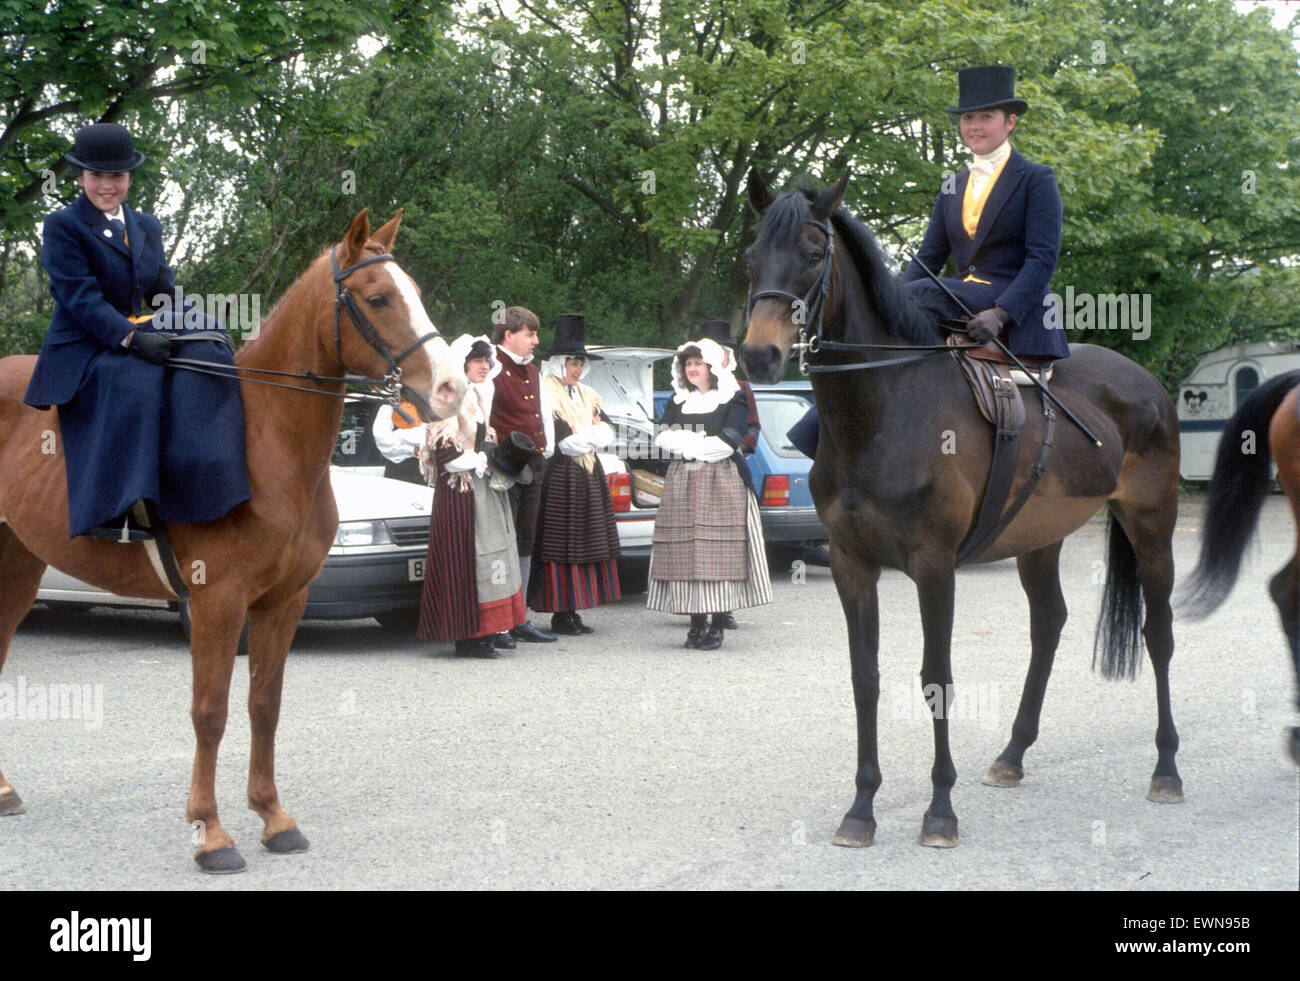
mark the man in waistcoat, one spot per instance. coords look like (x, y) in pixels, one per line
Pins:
(518, 406)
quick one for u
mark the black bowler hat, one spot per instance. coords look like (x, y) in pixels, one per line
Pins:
(510, 459)
(988, 87)
(105, 147)
(571, 338)
(716, 330)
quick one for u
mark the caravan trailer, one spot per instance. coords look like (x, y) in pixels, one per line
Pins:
(1210, 395)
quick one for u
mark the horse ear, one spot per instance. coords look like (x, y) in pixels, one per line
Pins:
(388, 232)
(828, 202)
(356, 238)
(759, 195)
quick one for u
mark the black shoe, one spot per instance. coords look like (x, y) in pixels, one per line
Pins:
(711, 640)
(477, 647)
(562, 623)
(694, 636)
(577, 622)
(531, 633)
(503, 642)
(725, 621)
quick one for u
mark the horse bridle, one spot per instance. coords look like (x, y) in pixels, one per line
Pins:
(387, 390)
(814, 302)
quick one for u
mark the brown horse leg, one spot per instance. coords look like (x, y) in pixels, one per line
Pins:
(20, 578)
(1040, 577)
(270, 634)
(217, 619)
(1150, 532)
(935, 587)
(856, 583)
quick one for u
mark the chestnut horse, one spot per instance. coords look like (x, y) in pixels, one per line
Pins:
(256, 562)
(901, 467)
(1233, 500)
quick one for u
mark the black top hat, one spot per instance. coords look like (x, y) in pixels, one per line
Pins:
(570, 338)
(988, 87)
(510, 459)
(716, 330)
(105, 147)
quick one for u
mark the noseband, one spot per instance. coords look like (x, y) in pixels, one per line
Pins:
(343, 300)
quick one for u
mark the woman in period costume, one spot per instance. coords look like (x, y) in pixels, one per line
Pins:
(708, 554)
(142, 441)
(472, 589)
(576, 546)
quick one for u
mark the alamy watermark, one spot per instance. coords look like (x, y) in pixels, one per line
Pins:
(977, 702)
(235, 313)
(1099, 311)
(39, 703)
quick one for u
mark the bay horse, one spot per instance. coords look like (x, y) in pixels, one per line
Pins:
(256, 562)
(901, 466)
(1232, 504)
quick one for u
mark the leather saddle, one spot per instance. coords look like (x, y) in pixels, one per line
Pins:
(996, 383)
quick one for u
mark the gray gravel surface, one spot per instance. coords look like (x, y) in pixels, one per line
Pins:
(621, 760)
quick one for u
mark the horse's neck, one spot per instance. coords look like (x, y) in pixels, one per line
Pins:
(291, 435)
(860, 397)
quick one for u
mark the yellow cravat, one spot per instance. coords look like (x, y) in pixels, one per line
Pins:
(972, 206)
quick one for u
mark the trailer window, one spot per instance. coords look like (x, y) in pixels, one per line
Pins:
(1245, 382)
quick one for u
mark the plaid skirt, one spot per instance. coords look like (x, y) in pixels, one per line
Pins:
(708, 552)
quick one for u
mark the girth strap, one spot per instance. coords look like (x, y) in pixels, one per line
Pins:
(1008, 418)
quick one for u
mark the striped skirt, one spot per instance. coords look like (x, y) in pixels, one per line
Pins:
(555, 587)
(722, 595)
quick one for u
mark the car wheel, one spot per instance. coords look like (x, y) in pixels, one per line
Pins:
(403, 621)
(185, 626)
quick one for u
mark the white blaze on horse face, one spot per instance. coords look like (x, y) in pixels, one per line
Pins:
(448, 384)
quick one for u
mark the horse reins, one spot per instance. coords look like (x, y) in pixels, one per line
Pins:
(814, 303)
(390, 385)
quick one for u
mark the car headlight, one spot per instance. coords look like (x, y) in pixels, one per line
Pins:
(362, 533)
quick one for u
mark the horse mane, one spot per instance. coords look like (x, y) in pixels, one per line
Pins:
(911, 318)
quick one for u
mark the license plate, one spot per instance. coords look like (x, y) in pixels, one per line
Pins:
(415, 569)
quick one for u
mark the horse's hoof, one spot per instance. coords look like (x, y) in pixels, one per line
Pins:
(287, 842)
(1003, 774)
(11, 803)
(1292, 739)
(222, 861)
(855, 833)
(1166, 790)
(938, 832)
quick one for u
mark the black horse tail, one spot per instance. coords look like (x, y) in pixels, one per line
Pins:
(1235, 496)
(1117, 644)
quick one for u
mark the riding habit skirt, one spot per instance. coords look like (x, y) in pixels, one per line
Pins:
(136, 430)
(708, 552)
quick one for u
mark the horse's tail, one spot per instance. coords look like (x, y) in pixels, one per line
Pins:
(1236, 493)
(1117, 644)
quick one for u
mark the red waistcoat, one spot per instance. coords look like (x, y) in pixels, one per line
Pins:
(516, 403)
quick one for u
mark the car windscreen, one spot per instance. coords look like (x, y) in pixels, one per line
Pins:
(777, 414)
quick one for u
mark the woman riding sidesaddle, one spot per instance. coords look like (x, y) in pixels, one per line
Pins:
(134, 429)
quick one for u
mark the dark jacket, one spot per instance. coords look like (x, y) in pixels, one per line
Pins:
(1015, 248)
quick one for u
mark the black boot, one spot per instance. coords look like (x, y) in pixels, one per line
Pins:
(699, 624)
(481, 647)
(725, 621)
(711, 640)
(562, 623)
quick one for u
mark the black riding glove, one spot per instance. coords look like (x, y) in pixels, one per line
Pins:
(986, 325)
(152, 347)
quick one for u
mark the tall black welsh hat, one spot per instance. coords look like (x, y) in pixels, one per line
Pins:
(105, 147)
(716, 330)
(571, 338)
(988, 87)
